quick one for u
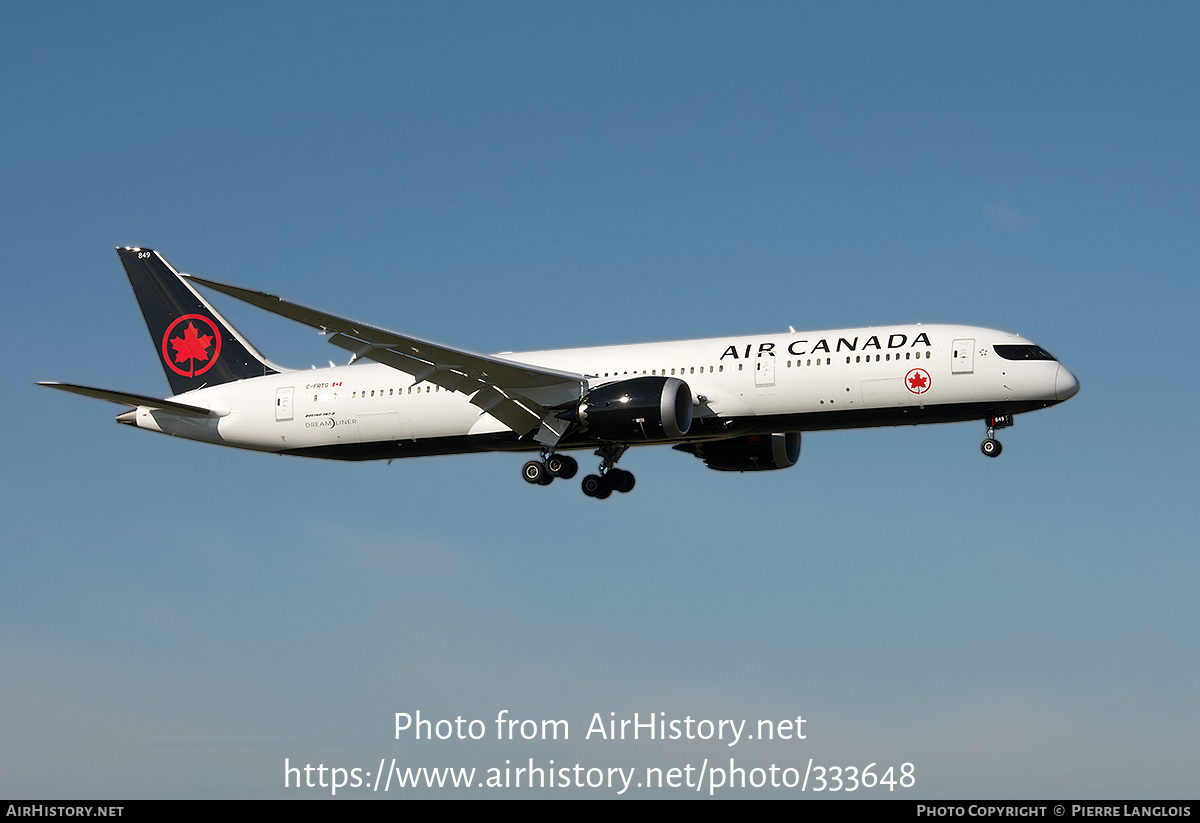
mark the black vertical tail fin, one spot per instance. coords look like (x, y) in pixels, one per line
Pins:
(196, 345)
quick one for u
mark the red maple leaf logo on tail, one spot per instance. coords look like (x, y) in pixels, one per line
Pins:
(191, 346)
(190, 354)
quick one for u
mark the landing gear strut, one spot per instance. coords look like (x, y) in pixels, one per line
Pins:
(610, 479)
(991, 446)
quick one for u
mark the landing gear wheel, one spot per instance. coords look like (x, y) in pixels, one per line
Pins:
(561, 465)
(535, 472)
(619, 480)
(991, 448)
(594, 486)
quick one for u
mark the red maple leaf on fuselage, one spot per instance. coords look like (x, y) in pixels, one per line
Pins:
(917, 381)
(191, 346)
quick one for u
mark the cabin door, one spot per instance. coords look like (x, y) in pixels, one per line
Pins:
(963, 357)
(283, 404)
(764, 371)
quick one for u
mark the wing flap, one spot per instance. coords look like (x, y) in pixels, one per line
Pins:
(521, 417)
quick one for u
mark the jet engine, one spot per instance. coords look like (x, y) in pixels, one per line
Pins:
(749, 453)
(642, 409)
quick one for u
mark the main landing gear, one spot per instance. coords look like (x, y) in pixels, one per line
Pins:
(991, 446)
(541, 472)
(610, 479)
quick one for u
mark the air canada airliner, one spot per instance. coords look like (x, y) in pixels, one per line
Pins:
(736, 403)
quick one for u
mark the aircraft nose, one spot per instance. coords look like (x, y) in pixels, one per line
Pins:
(1065, 384)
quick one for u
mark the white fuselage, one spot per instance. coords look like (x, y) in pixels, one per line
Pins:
(797, 381)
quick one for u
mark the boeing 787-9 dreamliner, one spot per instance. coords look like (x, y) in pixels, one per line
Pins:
(736, 403)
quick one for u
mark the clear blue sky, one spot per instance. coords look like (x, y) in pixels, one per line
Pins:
(176, 619)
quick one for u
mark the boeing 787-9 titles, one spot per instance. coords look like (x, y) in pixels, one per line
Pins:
(737, 403)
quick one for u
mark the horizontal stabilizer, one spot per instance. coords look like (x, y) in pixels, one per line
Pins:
(134, 400)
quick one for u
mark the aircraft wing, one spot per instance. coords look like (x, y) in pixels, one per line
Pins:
(134, 400)
(519, 395)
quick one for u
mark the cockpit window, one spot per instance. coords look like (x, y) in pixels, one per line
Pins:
(1023, 351)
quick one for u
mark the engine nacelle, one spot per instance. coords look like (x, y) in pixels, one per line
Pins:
(749, 453)
(642, 409)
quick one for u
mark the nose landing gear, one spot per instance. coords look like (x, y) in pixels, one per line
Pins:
(991, 446)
